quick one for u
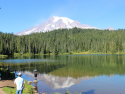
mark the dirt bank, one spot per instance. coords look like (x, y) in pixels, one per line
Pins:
(5, 83)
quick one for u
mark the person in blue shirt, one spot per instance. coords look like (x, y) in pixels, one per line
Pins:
(19, 83)
(16, 75)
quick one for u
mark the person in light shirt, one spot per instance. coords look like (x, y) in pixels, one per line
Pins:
(19, 83)
(35, 73)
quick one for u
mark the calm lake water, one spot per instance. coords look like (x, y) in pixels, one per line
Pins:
(85, 74)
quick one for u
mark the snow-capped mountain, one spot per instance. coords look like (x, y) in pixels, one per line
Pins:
(55, 23)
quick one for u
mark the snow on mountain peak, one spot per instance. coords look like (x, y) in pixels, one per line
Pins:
(64, 19)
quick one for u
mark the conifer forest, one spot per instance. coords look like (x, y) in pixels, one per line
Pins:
(64, 41)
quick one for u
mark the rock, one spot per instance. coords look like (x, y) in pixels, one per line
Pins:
(33, 87)
(35, 81)
(29, 82)
(35, 91)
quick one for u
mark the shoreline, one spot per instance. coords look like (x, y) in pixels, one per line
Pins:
(75, 53)
(10, 84)
(5, 83)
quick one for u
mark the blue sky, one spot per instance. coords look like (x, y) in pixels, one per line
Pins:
(19, 15)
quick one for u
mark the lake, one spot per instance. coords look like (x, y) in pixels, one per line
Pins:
(85, 74)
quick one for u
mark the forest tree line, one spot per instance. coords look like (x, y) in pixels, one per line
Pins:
(64, 41)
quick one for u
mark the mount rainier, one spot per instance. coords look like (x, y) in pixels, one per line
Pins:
(55, 23)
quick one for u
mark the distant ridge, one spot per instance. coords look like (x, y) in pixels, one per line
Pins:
(110, 28)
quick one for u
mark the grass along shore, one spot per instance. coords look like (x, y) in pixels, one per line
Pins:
(78, 53)
(85, 52)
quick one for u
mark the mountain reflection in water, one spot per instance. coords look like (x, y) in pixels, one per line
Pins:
(56, 82)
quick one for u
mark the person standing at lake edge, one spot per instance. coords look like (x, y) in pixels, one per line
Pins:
(35, 73)
(15, 74)
(19, 83)
(8, 72)
(0, 73)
